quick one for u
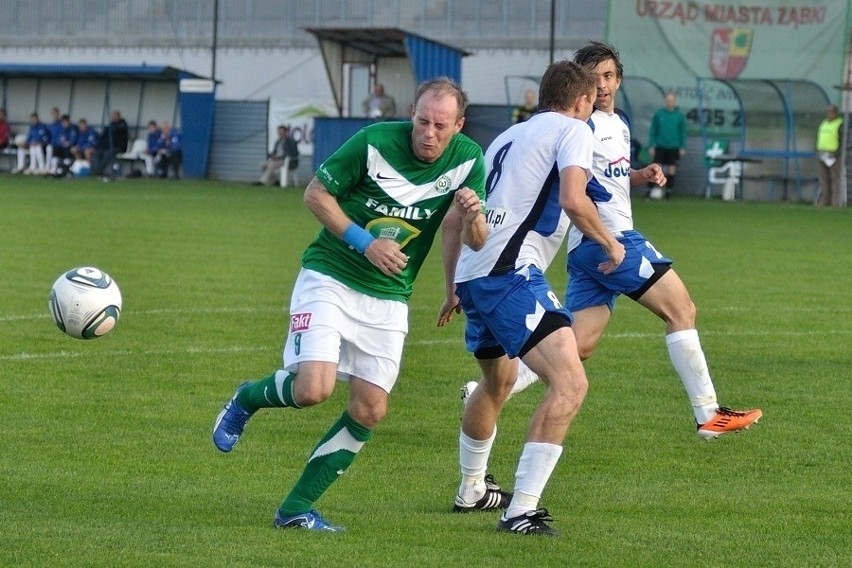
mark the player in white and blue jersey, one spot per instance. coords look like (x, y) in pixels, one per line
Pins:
(646, 275)
(537, 173)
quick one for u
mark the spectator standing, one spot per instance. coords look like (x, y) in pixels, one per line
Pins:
(667, 139)
(379, 106)
(522, 113)
(169, 154)
(38, 136)
(284, 146)
(153, 140)
(112, 142)
(829, 142)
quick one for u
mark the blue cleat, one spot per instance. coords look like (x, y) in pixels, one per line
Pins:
(311, 520)
(230, 423)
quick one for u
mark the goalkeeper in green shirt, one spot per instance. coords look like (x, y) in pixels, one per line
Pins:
(667, 139)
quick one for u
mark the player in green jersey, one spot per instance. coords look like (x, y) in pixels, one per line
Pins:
(380, 199)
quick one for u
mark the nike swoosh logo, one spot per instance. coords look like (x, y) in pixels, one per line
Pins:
(380, 176)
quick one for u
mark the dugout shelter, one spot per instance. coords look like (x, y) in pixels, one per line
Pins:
(357, 58)
(774, 129)
(140, 92)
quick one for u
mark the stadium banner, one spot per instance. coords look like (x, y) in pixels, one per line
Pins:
(298, 115)
(674, 43)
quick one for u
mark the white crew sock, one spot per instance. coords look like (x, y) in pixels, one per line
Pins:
(473, 459)
(534, 468)
(688, 360)
(22, 158)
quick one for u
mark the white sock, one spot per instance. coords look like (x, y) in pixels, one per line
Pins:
(534, 468)
(473, 459)
(688, 360)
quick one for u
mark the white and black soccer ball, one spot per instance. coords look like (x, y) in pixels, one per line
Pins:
(656, 193)
(85, 303)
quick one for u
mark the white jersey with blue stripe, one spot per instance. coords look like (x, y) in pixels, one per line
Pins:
(609, 188)
(527, 224)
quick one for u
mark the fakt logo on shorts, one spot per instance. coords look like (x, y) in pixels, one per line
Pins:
(300, 322)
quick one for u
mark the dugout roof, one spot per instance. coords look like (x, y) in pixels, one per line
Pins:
(83, 71)
(139, 92)
(398, 59)
(358, 58)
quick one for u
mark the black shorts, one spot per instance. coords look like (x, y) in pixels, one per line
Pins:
(667, 156)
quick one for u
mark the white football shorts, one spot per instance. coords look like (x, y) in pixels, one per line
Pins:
(333, 323)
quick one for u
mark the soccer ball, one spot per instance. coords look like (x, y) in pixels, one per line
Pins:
(85, 303)
(656, 193)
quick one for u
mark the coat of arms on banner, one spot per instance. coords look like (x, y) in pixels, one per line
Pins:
(729, 51)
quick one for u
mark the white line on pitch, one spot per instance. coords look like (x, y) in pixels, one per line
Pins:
(64, 354)
(125, 352)
(418, 308)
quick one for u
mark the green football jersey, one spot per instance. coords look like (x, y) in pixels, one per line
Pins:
(382, 187)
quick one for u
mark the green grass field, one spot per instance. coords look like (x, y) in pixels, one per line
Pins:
(106, 458)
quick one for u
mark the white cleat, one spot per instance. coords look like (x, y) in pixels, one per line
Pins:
(467, 390)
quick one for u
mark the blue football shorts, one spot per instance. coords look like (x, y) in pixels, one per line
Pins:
(504, 310)
(589, 287)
